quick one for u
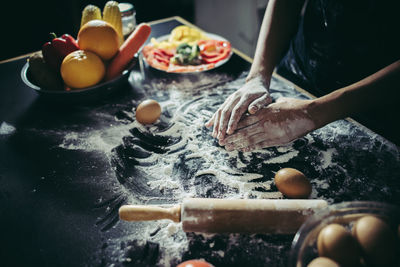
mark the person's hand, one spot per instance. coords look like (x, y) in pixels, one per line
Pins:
(277, 124)
(252, 97)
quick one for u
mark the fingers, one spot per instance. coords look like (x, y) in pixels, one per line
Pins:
(257, 104)
(254, 143)
(247, 120)
(215, 118)
(223, 122)
(216, 123)
(227, 116)
(243, 136)
(240, 109)
(219, 119)
(223, 116)
(246, 142)
(236, 114)
(260, 145)
(210, 122)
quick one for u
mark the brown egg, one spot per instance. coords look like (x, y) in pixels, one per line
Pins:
(377, 241)
(148, 111)
(323, 262)
(336, 243)
(292, 183)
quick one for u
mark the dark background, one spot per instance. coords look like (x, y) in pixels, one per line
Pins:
(26, 24)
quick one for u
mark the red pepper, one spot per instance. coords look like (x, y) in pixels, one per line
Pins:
(213, 51)
(58, 48)
(161, 55)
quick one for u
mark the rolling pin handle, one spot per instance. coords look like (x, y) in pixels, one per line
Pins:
(149, 213)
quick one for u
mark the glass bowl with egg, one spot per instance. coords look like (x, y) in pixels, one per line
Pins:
(358, 233)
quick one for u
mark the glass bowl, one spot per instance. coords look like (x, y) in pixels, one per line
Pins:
(304, 245)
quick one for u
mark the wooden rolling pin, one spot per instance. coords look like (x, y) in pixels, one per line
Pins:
(283, 216)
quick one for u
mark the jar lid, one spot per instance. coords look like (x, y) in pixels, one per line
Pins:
(126, 9)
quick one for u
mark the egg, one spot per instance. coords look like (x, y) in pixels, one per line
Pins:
(195, 263)
(377, 241)
(323, 262)
(336, 243)
(148, 111)
(292, 183)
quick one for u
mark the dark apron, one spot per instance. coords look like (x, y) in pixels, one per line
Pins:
(340, 42)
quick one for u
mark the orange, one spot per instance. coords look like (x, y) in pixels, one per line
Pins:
(81, 69)
(99, 37)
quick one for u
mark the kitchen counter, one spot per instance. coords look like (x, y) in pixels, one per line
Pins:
(65, 169)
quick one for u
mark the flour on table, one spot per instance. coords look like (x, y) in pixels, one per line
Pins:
(327, 157)
(94, 140)
(6, 129)
(173, 241)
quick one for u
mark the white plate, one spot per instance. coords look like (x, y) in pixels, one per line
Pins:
(209, 35)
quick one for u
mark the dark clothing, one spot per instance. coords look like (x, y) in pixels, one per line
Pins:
(340, 42)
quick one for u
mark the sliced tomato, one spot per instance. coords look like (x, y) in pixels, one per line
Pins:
(157, 57)
(213, 51)
(165, 52)
(161, 58)
(207, 54)
(156, 64)
(216, 58)
(162, 55)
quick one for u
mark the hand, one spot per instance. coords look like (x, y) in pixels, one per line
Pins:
(252, 97)
(277, 124)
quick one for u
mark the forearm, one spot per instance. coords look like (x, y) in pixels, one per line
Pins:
(278, 27)
(379, 89)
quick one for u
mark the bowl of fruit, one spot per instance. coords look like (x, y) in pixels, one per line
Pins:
(95, 64)
(358, 233)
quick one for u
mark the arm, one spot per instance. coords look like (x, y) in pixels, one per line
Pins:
(376, 91)
(279, 25)
(289, 118)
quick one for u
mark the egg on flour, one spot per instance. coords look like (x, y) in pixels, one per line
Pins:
(148, 111)
(292, 183)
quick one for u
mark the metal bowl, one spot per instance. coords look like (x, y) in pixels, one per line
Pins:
(95, 92)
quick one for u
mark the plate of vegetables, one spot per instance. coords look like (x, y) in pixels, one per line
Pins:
(187, 50)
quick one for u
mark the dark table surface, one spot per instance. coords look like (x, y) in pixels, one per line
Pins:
(66, 168)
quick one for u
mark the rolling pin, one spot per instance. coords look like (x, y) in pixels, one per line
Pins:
(206, 215)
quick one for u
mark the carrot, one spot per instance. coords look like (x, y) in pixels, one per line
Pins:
(127, 50)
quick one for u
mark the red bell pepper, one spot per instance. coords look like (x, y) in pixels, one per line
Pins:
(162, 56)
(57, 49)
(213, 51)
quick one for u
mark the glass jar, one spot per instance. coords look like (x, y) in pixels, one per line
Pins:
(128, 16)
